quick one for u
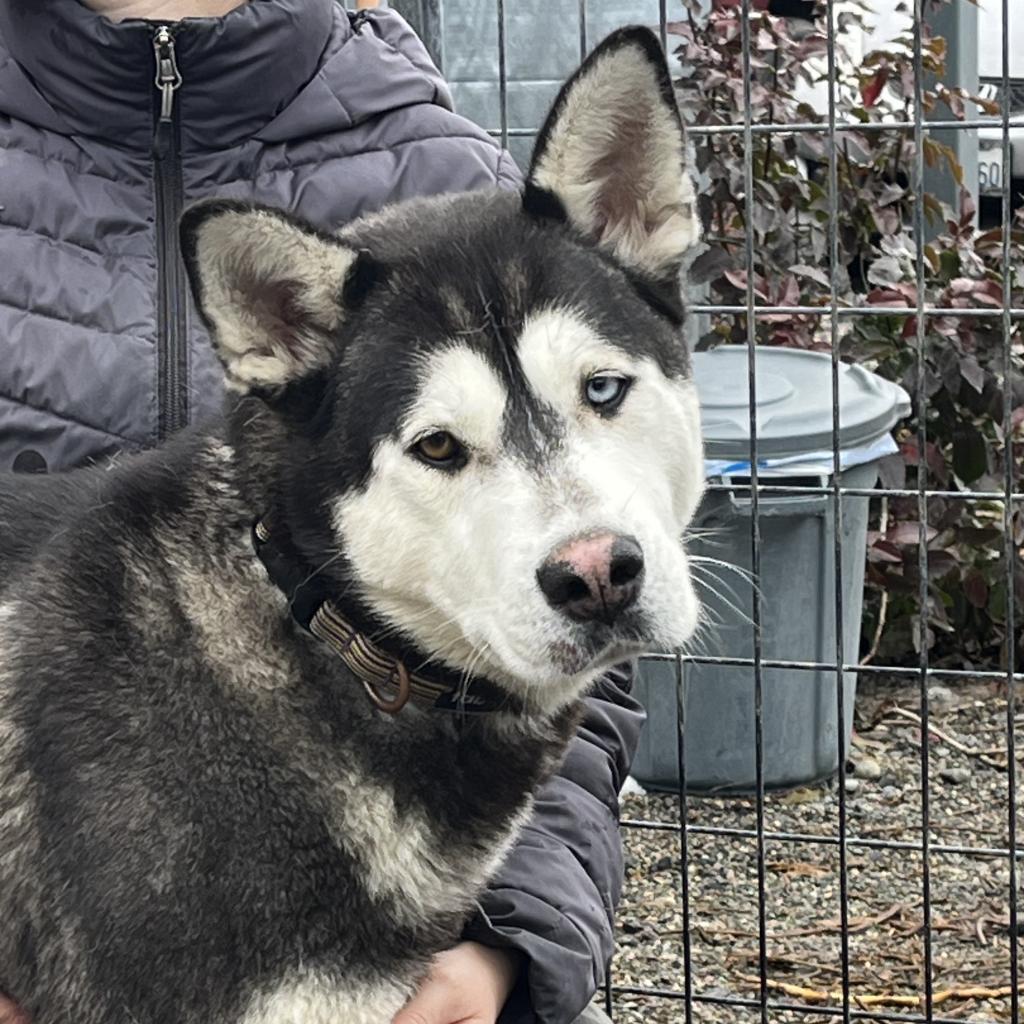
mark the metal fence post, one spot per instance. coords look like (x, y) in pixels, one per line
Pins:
(957, 23)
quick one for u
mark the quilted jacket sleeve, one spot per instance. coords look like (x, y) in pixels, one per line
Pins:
(508, 175)
(554, 898)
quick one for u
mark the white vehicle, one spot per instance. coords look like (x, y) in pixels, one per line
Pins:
(990, 75)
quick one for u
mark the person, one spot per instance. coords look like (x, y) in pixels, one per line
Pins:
(113, 114)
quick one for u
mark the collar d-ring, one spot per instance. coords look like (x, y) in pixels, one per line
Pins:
(393, 706)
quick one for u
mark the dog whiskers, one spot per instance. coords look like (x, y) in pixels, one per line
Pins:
(708, 584)
(468, 673)
(728, 566)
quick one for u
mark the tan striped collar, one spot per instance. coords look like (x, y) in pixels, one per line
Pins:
(388, 683)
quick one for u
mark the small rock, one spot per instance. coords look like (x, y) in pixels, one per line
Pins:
(940, 697)
(868, 768)
(852, 784)
(892, 793)
(803, 795)
(632, 788)
(662, 864)
(955, 776)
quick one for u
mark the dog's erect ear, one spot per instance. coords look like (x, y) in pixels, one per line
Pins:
(271, 289)
(611, 157)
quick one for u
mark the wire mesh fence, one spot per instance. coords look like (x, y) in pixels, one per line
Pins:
(848, 931)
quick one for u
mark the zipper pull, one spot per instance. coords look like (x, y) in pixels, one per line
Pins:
(167, 80)
(168, 77)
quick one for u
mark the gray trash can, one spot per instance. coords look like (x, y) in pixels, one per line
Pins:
(794, 394)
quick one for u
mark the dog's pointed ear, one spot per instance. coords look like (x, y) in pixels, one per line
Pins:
(611, 157)
(272, 290)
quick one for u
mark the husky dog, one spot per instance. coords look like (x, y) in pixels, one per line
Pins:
(273, 699)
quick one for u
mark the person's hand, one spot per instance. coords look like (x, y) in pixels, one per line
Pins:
(467, 985)
(9, 1012)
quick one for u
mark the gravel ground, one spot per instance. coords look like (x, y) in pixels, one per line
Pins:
(971, 946)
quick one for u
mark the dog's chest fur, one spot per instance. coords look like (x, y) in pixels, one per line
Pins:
(207, 796)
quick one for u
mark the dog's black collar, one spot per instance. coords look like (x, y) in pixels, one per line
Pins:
(310, 602)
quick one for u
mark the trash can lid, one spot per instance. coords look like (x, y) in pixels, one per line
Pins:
(794, 402)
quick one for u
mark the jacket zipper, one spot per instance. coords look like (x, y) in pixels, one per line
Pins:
(172, 300)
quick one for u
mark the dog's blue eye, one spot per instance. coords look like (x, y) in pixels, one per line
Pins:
(605, 391)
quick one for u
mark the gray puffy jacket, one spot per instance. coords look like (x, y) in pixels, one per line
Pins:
(291, 102)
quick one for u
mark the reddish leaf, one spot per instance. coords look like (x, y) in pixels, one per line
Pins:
(738, 279)
(968, 208)
(789, 293)
(935, 461)
(883, 551)
(976, 589)
(870, 91)
(909, 533)
(953, 98)
(890, 298)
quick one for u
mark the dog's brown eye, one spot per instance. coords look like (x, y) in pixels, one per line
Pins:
(440, 449)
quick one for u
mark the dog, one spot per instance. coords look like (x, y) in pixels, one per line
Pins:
(274, 697)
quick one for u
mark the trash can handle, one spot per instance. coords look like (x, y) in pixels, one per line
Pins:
(778, 504)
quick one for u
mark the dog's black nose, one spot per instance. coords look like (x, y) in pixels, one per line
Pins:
(593, 578)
